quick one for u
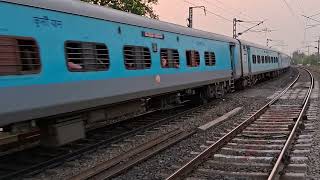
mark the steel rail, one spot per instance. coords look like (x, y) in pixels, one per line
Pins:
(187, 168)
(117, 165)
(275, 173)
(38, 167)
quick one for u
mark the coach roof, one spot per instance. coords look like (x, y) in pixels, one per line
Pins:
(95, 11)
(258, 46)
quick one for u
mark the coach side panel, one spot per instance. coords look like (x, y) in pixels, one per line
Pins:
(56, 90)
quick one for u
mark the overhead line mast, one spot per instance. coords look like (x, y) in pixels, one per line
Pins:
(190, 19)
(235, 21)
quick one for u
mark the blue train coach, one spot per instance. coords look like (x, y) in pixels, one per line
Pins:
(65, 65)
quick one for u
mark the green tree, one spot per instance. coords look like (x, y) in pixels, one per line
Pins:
(139, 7)
(301, 58)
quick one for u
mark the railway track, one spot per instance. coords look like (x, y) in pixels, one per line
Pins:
(132, 157)
(35, 160)
(270, 143)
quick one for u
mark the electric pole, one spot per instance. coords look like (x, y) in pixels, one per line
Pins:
(234, 28)
(318, 50)
(190, 18)
(309, 49)
(268, 42)
(235, 21)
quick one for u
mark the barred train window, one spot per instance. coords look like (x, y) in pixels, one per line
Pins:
(210, 58)
(259, 60)
(262, 59)
(254, 59)
(272, 60)
(19, 56)
(169, 58)
(193, 58)
(137, 57)
(268, 59)
(87, 56)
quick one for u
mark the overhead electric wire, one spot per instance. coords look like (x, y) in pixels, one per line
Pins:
(240, 12)
(226, 10)
(218, 15)
(293, 12)
(289, 7)
(308, 17)
(221, 16)
(215, 14)
(315, 14)
(248, 19)
(300, 6)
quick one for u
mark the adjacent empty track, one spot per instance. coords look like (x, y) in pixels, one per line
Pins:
(266, 143)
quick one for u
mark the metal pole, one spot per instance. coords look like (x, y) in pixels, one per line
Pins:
(190, 17)
(319, 50)
(268, 40)
(234, 28)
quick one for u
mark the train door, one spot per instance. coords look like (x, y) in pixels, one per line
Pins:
(280, 60)
(249, 59)
(232, 58)
(245, 60)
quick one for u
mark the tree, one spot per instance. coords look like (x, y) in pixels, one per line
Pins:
(139, 7)
(301, 58)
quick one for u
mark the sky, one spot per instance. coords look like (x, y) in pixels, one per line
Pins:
(283, 19)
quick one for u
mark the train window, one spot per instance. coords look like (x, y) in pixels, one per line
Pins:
(137, 57)
(210, 58)
(193, 58)
(267, 59)
(277, 60)
(254, 59)
(169, 58)
(262, 59)
(272, 60)
(86, 56)
(259, 60)
(19, 56)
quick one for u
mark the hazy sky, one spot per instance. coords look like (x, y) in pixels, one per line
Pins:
(286, 20)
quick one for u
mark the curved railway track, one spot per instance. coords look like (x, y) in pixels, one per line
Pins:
(260, 147)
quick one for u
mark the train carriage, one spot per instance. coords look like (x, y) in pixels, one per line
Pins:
(62, 58)
(259, 62)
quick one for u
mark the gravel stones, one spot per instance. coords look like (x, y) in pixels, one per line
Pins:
(313, 169)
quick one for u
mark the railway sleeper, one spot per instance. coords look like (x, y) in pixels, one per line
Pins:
(217, 173)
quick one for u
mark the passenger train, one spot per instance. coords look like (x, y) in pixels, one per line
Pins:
(65, 64)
